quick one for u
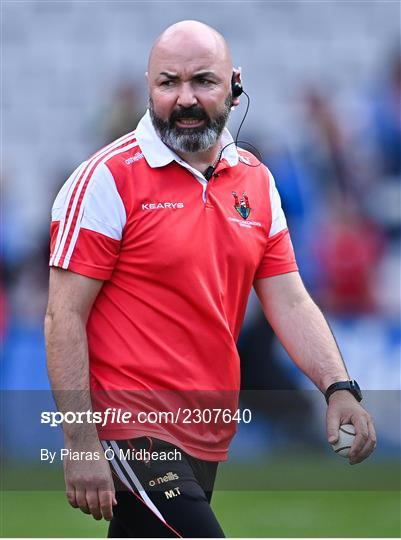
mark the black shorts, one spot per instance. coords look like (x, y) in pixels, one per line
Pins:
(161, 491)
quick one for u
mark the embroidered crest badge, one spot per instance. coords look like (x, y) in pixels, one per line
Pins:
(242, 205)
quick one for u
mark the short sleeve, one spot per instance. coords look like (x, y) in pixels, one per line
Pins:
(279, 257)
(88, 218)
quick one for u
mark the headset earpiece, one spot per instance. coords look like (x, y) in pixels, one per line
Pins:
(236, 87)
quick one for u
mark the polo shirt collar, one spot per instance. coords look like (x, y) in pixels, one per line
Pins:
(157, 154)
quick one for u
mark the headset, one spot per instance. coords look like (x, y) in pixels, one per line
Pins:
(236, 87)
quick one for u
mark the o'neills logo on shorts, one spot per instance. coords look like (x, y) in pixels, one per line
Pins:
(162, 205)
(162, 479)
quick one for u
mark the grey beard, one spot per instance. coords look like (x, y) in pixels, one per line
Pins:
(191, 140)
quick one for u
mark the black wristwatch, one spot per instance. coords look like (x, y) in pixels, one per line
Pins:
(351, 386)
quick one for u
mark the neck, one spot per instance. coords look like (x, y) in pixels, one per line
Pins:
(202, 160)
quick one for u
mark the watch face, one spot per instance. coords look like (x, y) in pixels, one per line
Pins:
(356, 390)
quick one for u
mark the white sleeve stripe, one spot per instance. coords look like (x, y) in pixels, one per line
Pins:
(104, 212)
(96, 225)
(82, 184)
(82, 206)
(279, 222)
(64, 228)
(60, 229)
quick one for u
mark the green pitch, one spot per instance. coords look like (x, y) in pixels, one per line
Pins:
(245, 513)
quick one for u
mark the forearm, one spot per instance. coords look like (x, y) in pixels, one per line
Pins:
(306, 336)
(302, 329)
(68, 368)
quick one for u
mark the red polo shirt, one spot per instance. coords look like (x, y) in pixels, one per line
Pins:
(178, 256)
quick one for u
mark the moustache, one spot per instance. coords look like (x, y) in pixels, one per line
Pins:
(192, 112)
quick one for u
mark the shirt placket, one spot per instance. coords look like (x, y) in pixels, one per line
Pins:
(198, 176)
(206, 185)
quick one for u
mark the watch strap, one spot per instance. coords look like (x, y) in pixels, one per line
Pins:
(351, 386)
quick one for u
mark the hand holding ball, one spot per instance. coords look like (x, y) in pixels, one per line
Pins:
(346, 436)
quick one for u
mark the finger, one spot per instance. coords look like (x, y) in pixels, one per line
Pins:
(106, 500)
(372, 433)
(71, 496)
(332, 426)
(369, 446)
(81, 501)
(92, 500)
(361, 438)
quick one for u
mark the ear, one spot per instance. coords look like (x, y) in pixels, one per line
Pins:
(237, 79)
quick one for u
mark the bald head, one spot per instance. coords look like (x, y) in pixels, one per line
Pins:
(188, 42)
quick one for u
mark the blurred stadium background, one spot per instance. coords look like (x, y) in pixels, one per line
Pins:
(325, 84)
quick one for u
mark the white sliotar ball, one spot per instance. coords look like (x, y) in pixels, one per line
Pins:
(345, 440)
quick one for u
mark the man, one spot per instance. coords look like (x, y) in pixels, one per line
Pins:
(152, 265)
